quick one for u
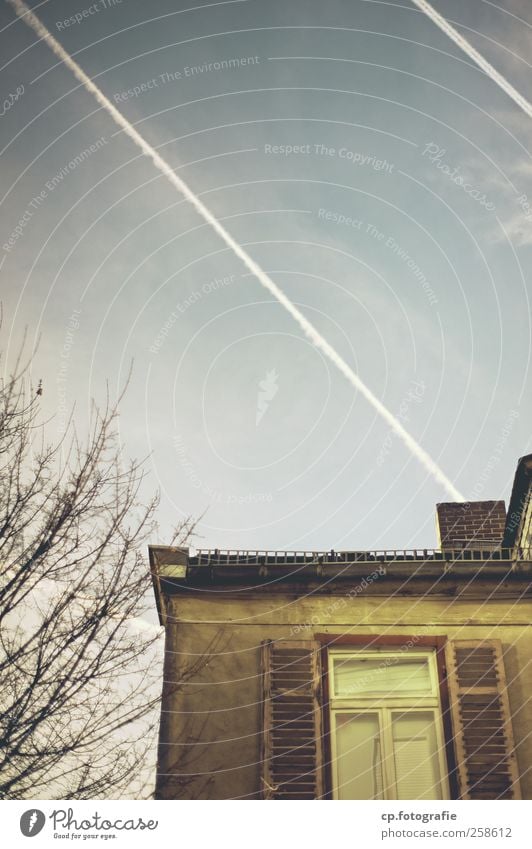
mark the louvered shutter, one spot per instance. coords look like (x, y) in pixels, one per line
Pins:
(292, 763)
(482, 728)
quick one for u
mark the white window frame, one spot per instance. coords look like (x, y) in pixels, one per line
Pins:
(385, 706)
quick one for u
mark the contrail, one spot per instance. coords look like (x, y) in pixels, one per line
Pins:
(310, 331)
(473, 54)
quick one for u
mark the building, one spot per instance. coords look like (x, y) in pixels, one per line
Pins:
(353, 674)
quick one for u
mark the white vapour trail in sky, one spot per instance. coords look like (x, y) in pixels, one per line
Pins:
(473, 54)
(310, 331)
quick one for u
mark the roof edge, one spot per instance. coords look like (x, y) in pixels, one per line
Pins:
(518, 500)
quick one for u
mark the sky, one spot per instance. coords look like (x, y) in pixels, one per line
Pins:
(379, 177)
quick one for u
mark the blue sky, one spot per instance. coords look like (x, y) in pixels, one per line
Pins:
(329, 139)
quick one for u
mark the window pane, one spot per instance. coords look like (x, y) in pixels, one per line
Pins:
(358, 756)
(383, 675)
(417, 769)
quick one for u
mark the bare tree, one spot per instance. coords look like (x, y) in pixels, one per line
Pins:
(78, 699)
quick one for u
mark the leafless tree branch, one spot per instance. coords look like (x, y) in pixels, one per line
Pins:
(78, 699)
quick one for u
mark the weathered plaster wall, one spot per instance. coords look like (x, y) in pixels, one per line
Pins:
(218, 712)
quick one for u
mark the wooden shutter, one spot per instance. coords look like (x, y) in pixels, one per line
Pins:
(482, 729)
(292, 763)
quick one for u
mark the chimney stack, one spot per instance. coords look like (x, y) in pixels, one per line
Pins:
(472, 524)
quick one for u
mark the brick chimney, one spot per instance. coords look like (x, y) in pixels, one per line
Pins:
(472, 524)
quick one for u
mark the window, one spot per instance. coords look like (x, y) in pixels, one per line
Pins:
(357, 717)
(386, 728)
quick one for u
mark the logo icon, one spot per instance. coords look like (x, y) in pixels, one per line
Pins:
(268, 389)
(32, 822)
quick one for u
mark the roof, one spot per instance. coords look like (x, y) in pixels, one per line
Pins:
(406, 572)
(455, 569)
(518, 499)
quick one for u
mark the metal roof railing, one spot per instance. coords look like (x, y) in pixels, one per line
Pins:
(230, 557)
